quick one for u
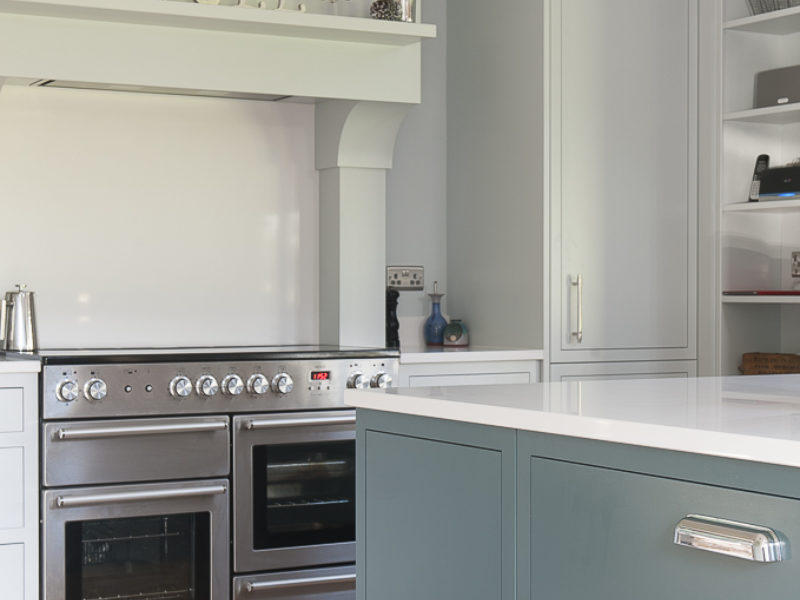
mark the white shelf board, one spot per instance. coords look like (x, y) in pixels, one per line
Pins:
(225, 19)
(761, 299)
(765, 206)
(777, 22)
(778, 115)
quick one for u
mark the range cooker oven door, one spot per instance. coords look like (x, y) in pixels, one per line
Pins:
(329, 583)
(166, 541)
(294, 490)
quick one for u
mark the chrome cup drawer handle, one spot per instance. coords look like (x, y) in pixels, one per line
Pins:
(731, 538)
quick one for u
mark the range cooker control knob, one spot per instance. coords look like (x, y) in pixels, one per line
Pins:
(257, 384)
(95, 389)
(67, 391)
(382, 381)
(180, 387)
(207, 386)
(358, 381)
(232, 385)
(282, 383)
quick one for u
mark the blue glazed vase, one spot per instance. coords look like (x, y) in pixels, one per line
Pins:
(433, 330)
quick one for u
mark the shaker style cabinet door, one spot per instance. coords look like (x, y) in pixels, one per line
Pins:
(622, 110)
(435, 509)
(593, 532)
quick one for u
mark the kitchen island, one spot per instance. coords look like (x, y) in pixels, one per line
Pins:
(574, 490)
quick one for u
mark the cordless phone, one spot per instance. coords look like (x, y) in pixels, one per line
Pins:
(762, 162)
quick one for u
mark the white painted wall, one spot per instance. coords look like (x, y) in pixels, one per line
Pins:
(495, 209)
(143, 220)
(416, 194)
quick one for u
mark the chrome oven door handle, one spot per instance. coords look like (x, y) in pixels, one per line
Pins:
(144, 496)
(90, 433)
(731, 538)
(252, 424)
(256, 586)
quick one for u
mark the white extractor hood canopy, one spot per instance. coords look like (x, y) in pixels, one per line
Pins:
(364, 74)
(181, 47)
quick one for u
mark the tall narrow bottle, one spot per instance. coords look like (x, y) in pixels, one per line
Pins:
(434, 326)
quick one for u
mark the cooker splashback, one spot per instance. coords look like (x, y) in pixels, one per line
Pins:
(143, 220)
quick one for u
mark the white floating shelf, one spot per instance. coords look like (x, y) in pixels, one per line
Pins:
(777, 22)
(761, 299)
(779, 115)
(764, 206)
(225, 19)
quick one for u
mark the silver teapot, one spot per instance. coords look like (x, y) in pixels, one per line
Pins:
(17, 321)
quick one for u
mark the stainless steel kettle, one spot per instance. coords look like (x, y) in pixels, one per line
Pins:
(17, 321)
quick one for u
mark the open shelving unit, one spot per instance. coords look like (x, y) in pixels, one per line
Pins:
(756, 238)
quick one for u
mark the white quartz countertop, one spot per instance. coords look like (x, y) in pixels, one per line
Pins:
(410, 354)
(15, 364)
(755, 418)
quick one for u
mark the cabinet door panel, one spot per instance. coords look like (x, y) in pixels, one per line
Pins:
(601, 533)
(434, 520)
(622, 370)
(12, 498)
(624, 189)
(12, 572)
(469, 379)
(11, 410)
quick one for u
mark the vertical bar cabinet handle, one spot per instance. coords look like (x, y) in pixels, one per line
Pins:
(578, 283)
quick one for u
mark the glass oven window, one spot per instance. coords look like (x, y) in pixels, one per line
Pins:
(147, 558)
(304, 494)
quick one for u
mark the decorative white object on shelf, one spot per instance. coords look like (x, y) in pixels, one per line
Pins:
(262, 4)
(301, 7)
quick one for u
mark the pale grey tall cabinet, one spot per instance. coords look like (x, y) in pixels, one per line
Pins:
(573, 181)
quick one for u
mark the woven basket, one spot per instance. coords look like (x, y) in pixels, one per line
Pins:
(759, 363)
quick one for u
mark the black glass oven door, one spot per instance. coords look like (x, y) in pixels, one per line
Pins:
(164, 557)
(303, 494)
(294, 490)
(164, 541)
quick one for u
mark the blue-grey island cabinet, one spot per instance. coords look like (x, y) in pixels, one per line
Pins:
(597, 520)
(538, 502)
(435, 509)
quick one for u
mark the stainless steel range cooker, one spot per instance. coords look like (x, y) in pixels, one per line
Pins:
(165, 471)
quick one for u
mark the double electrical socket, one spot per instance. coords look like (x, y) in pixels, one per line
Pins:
(406, 278)
(795, 264)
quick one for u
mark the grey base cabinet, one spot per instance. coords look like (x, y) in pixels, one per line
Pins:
(435, 510)
(458, 511)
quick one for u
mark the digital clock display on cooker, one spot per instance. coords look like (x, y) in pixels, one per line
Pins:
(320, 375)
